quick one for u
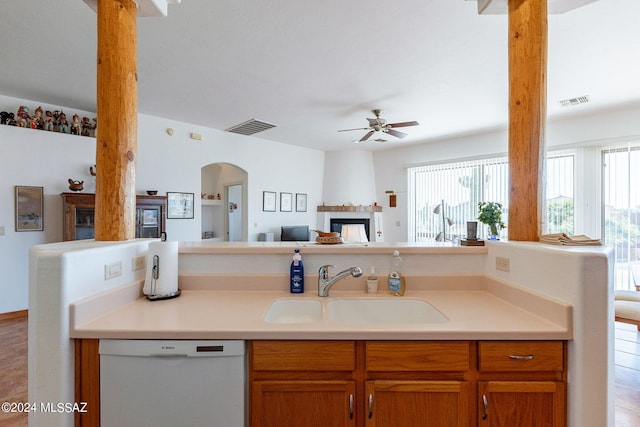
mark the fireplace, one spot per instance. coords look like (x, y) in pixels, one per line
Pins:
(337, 223)
(369, 216)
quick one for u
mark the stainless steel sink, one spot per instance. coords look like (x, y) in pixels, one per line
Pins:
(357, 310)
(294, 311)
(372, 311)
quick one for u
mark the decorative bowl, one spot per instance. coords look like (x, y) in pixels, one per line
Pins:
(152, 192)
(329, 240)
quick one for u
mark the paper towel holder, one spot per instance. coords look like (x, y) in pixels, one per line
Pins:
(155, 275)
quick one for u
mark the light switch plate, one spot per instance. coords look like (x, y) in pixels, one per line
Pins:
(1, 230)
(112, 270)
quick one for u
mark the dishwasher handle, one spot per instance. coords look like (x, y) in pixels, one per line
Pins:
(172, 348)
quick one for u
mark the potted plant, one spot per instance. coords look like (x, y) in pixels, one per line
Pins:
(490, 213)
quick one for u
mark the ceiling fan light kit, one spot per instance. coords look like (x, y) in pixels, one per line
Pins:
(380, 124)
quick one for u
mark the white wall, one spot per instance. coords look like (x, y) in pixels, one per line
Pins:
(173, 163)
(348, 178)
(164, 163)
(613, 125)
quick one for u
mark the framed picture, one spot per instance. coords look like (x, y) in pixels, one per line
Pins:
(285, 202)
(179, 205)
(29, 208)
(269, 201)
(301, 202)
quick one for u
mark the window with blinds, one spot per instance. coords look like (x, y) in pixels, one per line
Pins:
(443, 197)
(560, 194)
(621, 211)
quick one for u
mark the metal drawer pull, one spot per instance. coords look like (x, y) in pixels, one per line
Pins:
(518, 357)
(370, 405)
(351, 406)
(485, 404)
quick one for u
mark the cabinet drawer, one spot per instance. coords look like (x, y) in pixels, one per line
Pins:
(303, 355)
(521, 356)
(412, 356)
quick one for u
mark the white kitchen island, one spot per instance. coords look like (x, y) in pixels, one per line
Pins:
(549, 293)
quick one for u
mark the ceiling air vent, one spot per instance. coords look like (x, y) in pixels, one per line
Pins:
(250, 127)
(574, 101)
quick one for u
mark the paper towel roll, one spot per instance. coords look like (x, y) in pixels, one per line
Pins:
(166, 265)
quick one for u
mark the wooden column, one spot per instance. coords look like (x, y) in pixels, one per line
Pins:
(527, 114)
(117, 106)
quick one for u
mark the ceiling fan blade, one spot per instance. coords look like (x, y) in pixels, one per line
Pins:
(348, 130)
(395, 133)
(402, 124)
(367, 136)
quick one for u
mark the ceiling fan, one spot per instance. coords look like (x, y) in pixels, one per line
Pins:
(380, 125)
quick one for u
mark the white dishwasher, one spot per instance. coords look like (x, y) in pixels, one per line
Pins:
(146, 383)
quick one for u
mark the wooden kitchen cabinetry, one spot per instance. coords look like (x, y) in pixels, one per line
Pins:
(79, 216)
(354, 383)
(302, 383)
(522, 383)
(387, 383)
(406, 383)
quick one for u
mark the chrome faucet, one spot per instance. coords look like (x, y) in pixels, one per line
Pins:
(324, 283)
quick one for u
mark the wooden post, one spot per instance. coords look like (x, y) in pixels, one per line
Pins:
(527, 114)
(117, 105)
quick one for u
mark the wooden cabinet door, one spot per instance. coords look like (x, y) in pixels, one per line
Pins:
(302, 403)
(522, 403)
(417, 404)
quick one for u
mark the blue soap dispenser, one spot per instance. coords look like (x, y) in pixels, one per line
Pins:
(296, 277)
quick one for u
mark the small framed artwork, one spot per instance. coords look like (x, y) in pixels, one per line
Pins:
(29, 208)
(269, 201)
(301, 202)
(286, 202)
(179, 205)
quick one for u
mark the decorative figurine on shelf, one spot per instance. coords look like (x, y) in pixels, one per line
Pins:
(63, 124)
(47, 123)
(86, 126)
(7, 118)
(95, 126)
(75, 125)
(37, 120)
(75, 185)
(490, 213)
(23, 113)
(56, 120)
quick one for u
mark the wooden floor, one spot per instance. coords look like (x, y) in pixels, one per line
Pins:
(13, 372)
(627, 370)
(13, 368)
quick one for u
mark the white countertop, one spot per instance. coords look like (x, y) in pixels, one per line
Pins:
(477, 308)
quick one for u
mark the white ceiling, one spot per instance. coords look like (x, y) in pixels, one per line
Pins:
(315, 67)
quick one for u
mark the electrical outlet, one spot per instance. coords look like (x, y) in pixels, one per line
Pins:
(196, 136)
(112, 270)
(138, 263)
(502, 263)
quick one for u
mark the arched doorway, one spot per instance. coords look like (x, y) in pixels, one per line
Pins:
(224, 203)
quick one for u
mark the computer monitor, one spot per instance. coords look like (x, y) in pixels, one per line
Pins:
(293, 233)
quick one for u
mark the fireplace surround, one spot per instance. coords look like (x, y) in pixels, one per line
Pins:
(331, 217)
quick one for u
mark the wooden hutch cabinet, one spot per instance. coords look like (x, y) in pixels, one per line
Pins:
(79, 216)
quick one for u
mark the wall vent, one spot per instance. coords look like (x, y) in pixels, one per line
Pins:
(574, 101)
(250, 127)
